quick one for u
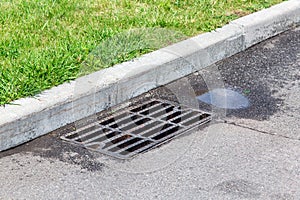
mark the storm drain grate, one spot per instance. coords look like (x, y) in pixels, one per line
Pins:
(137, 129)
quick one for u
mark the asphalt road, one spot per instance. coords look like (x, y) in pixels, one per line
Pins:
(249, 153)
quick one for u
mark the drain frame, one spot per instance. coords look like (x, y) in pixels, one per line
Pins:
(130, 123)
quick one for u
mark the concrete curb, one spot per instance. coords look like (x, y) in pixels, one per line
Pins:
(33, 117)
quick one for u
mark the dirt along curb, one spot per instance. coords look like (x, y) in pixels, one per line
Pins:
(29, 118)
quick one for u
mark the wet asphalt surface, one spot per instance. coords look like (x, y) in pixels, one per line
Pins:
(248, 153)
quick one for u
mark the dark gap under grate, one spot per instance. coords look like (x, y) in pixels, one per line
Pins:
(137, 129)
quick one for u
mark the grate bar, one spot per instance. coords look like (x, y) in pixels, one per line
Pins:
(118, 128)
(164, 114)
(112, 119)
(124, 120)
(124, 144)
(154, 108)
(203, 121)
(161, 131)
(184, 116)
(89, 133)
(192, 117)
(157, 111)
(164, 134)
(152, 128)
(76, 132)
(106, 138)
(147, 146)
(134, 144)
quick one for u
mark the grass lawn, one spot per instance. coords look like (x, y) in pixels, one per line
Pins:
(44, 42)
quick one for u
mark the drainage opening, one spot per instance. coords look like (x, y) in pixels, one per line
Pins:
(137, 129)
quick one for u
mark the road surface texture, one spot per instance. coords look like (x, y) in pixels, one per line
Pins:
(252, 153)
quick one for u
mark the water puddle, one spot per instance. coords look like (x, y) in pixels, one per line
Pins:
(224, 98)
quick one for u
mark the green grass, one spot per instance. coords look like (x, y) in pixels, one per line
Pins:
(44, 42)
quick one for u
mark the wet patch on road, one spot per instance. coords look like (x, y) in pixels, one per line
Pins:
(265, 73)
(225, 98)
(51, 147)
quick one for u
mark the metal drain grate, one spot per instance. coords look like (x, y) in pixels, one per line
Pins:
(127, 133)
